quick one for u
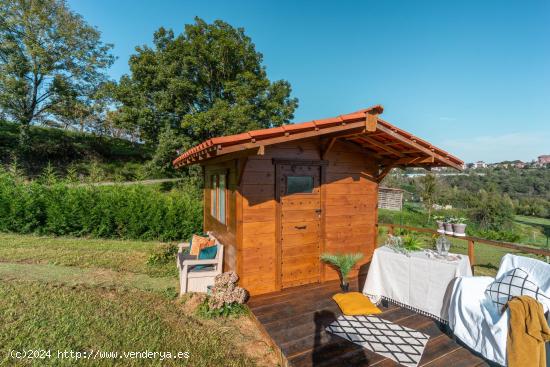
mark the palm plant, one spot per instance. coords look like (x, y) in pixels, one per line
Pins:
(344, 263)
(412, 243)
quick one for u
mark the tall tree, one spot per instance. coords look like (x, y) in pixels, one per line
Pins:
(49, 56)
(427, 189)
(205, 82)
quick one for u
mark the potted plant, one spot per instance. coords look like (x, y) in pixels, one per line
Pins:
(344, 263)
(449, 226)
(440, 223)
(459, 227)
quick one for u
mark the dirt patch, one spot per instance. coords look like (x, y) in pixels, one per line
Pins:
(245, 333)
(190, 302)
(254, 343)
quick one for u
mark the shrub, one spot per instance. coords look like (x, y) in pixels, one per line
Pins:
(493, 212)
(133, 211)
(163, 254)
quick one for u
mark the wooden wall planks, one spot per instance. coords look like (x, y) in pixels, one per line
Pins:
(350, 206)
(348, 200)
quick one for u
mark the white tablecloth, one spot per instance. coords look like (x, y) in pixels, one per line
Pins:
(417, 281)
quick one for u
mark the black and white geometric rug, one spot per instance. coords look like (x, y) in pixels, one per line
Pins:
(402, 344)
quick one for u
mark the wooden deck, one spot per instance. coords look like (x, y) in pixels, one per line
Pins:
(295, 320)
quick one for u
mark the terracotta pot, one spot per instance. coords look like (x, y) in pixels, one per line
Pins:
(449, 228)
(459, 229)
(440, 226)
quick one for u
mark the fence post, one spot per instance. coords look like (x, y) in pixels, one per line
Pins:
(471, 254)
(390, 231)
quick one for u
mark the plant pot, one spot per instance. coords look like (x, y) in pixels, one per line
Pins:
(344, 287)
(440, 226)
(449, 228)
(459, 229)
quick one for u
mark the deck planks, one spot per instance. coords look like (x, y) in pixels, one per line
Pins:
(295, 319)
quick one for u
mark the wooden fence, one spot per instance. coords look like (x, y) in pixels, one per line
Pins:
(472, 241)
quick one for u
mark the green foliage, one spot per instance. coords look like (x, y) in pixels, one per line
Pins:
(412, 243)
(51, 61)
(427, 189)
(135, 211)
(161, 163)
(163, 254)
(206, 82)
(502, 235)
(232, 310)
(68, 149)
(344, 262)
(493, 212)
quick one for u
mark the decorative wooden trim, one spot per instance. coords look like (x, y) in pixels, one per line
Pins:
(239, 222)
(293, 137)
(385, 172)
(204, 203)
(299, 162)
(278, 231)
(258, 150)
(381, 145)
(415, 145)
(322, 229)
(371, 122)
(240, 167)
(329, 146)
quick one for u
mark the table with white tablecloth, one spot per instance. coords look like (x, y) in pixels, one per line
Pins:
(419, 280)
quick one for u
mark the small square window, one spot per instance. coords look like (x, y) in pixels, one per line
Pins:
(299, 185)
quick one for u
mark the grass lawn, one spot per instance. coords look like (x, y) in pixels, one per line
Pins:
(80, 295)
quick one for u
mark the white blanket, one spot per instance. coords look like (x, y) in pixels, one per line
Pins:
(416, 281)
(476, 320)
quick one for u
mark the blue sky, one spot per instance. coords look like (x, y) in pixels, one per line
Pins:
(472, 77)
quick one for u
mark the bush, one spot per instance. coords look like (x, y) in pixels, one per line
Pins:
(133, 212)
(163, 254)
(493, 212)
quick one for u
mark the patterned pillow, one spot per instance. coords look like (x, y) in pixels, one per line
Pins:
(512, 284)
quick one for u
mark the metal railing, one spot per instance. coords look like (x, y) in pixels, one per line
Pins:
(472, 241)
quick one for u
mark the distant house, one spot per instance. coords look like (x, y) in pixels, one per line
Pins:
(509, 164)
(543, 160)
(479, 164)
(277, 198)
(390, 198)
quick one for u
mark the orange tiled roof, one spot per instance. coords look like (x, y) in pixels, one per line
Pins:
(389, 132)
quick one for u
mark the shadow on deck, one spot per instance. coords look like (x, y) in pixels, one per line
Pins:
(295, 319)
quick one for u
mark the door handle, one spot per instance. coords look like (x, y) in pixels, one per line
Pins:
(318, 211)
(300, 227)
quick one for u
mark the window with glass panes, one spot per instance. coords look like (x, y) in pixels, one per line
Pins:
(217, 197)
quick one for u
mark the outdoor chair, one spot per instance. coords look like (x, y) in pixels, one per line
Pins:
(477, 321)
(196, 275)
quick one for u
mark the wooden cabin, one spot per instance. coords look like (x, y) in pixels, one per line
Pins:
(390, 198)
(277, 198)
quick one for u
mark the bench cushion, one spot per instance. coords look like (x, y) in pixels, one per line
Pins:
(207, 253)
(355, 303)
(198, 243)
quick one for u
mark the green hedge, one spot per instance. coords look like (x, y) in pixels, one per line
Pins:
(133, 211)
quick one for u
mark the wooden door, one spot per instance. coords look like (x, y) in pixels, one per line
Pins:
(299, 194)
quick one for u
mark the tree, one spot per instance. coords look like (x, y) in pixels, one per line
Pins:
(48, 54)
(206, 82)
(493, 210)
(427, 189)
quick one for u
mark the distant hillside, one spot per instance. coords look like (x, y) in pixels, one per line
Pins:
(63, 148)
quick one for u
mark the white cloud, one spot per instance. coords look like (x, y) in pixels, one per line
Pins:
(524, 145)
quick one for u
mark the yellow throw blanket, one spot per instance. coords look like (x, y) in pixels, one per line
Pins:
(527, 333)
